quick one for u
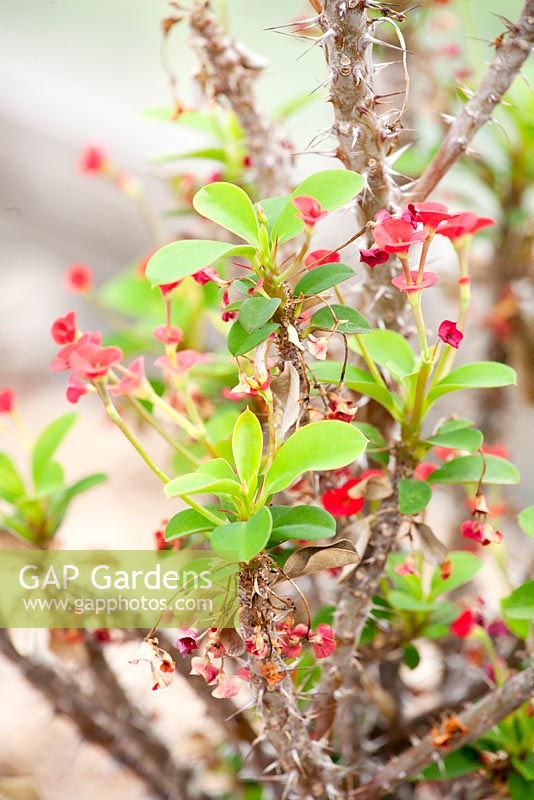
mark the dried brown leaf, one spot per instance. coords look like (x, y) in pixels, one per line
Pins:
(312, 559)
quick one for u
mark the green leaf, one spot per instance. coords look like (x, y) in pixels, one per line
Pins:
(241, 541)
(229, 206)
(11, 483)
(179, 259)
(341, 318)
(331, 188)
(358, 381)
(525, 767)
(469, 439)
(519, 788)
(411, 656)
(199, 483)
(461, 762)
(301, 522)
(240, 341)
(256, 311)
(247, 446)
(407, 602)
(464, 567)
(469, 469)
(210, 153)
(324, 277)
(325, 445)
(47, 444)
(520, 604)
(479, 375)
(218, 468)
(389, 349)
(455, 424)
(377, 449)
(414, 496)
(526, 520)
(185, 523)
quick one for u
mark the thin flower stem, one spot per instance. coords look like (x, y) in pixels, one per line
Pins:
(115, 417)
(424, 253)
(420, 394)
(201, 510)
(373, 369)
(178, 446)
(414, 298)
(178, 418)
(272, 433)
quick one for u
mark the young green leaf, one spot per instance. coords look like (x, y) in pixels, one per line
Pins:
(470, 469)
(47, 444)
(469, 439)
(414, 496)
(324, 445)
(407, 602)
(185, 523)
(247, 446)
(377, 449)
(520, 604)
(240, 341)
(241, 541)
(526, 520)
(341, 318)
(229, 206)
(479, 375)
(177, 260)
(324, 277)
(256, 311)
(464, 568)
(301, 522)
(11, 483)
(199, 483)
(389, 349)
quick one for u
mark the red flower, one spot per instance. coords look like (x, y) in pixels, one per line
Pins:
(78, 278)
(93, 160)
(132, 382)
(496, 450)
(481, 532)
(449, 333)
(323, 641)
(167, 288)
(429, 279)
(187, 640)
(206, 275)
(204, 667)
(338, 503)
(466, 224)
(464, 624)
(397, 235)
(227, 316)
(182, 361)
(291, 640)
(424, 470)
(374, 256)
(75, 389)
(63, 329)
(429, 213)
(168, 334)
(310, 209)
(444, 453)
(61, 362)
(91, 361)
(7, 401)
(319, 257)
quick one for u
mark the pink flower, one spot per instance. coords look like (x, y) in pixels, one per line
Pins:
(318, 346)
(93, 160)
(168, 334)
(374, 256)
(429, 279)
(7, 401)
(429, 213)
(131, 383)
(63, 329)
(424, 470)
(382, 216)
(257, 646)
(317, 258)
(187, 640)
(91, 361)
(227, 686)
(75, 389)
(464, 625)
(78, 278)
(466, 224)
(323, 641)
(481, 532)
(396, 235)
(406, 568)
(310, 209)
(497, 628)
(291, 640)
(449, 333)
(202, 666)
(61, 360)
(182, 361)
(227, 316)
(206, 275)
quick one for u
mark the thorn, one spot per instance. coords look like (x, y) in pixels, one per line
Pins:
(320, 40)
(310, 22)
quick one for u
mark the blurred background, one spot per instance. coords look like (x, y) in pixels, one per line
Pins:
(84, 72)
